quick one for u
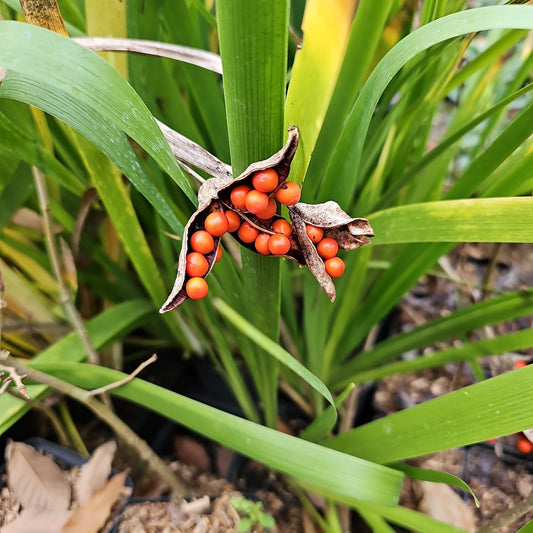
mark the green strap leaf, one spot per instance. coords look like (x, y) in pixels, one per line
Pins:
(87, 82)
(331, 473)
(435, 476)
(471, 220)
(344, 161)
(275, 350)
(486, 410)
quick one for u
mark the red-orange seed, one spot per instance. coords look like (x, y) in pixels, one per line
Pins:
(282, 226)
(524, 445)
(247, 233)
(219, 254)
(314, 233)
(334, 267)
(289, 193)
(202, 241)
(216, 224)
(261, 243)
(234, 221)
(327, 248)
(238, 195)
(196, 265)
(256, 202)
(270, 211)
(265, 180)
(279, 244)
(196, 288)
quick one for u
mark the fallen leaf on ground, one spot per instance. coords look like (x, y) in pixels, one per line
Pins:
(95, 472)
(92, 516)
(35, 479)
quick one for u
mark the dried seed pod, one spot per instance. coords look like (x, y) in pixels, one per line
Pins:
(214, 195)
(350, 233)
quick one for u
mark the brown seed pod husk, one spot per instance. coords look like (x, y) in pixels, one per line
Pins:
(350, 233)
(214, 194)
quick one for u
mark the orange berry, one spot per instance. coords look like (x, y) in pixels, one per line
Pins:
(238, 194)
(196, 265)
(202, 242)
(234, 221)
(196, 288)
(270, 211)
(256, 201)
(282, 226)
(524, 445)
(261, 243)
(314, 233)
(216, 223)
(289, 193)
(279, 244)
(219, 254)
(265, 180)
(334, 267)
(327, 248)
(520, 364)
(247, 233)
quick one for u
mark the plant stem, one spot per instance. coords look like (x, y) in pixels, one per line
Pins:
(508, 517)
(75, 437)
(123, 431)
(253, 47)
(64, 296)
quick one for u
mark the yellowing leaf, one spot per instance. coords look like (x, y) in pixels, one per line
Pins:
(326, 27)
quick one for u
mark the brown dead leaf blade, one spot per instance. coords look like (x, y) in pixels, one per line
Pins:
(89, 518)
(35, 479)
(95, 472)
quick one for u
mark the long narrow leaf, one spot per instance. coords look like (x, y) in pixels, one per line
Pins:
(492, 408)
(332, 473)
(476, 220)
(344, 161)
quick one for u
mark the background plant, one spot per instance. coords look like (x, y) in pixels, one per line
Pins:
(365, 130)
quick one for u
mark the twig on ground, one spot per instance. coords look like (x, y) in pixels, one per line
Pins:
(508, 517)
(127, 379)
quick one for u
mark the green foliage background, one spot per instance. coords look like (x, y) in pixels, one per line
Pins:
(366, 104)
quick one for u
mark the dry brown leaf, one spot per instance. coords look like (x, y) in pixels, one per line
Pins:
(35, 479)
(95, 472)
(38, 522)
(442, 503)
(30, 219)
(92, 516)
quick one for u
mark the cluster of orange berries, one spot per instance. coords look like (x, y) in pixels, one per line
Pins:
(258, 200)
(327, 249)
